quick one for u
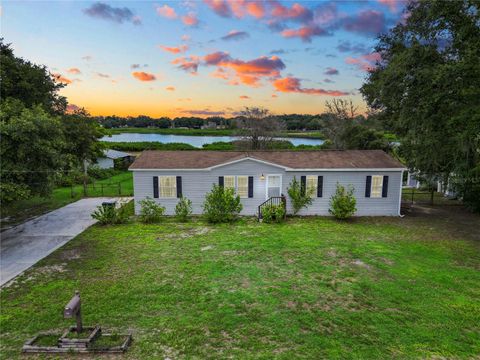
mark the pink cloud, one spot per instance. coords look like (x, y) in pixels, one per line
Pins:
(75, 71)
(190, 19)
(246, 72)
(237, 8)
(72, 108)
(292, 84)
(295, 12)
(274, 96)
(174, 49)
(255, 9)
(368, 22)
(143, 76)
(62, 79)
(365, 62)
(305, 33)
(244, 97)
(188, 64)
(393, 5)
(166, 11)
(170, 88)
(186, 37)
(220, 7)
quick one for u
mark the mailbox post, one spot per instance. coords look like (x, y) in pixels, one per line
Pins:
(72, 309)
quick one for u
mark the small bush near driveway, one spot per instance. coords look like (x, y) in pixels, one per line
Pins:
(150, 211)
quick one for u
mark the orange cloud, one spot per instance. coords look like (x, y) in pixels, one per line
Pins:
(291, 84)
(170, 88)
(166, 11)
(174, 50)
(255, 9)
(190, 19)
(188, 64)
(236, 8)
(143, 76)
(244, 97)
(75, 71)
(296, 12)
(274, 95)
(247, 72)
(62, 79)
(365, 62)
(305, 33)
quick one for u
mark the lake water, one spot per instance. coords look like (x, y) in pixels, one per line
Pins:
(197, 141)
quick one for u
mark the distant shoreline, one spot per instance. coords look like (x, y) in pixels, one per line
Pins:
(207, 132)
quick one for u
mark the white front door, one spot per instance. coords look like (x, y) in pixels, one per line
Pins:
(274, 186)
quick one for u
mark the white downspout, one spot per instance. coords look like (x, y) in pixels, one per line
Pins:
(400, 195)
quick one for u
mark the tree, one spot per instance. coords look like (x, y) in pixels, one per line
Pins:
(340, 114)
(31, 150)
(361, 137)
(427, 86)
(31, 84)
(257, 127)
(82, 133)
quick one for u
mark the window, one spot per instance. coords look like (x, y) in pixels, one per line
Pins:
(312, 184)
(274, 184)
(229, 182)
(168, 186)
(242, 186)
(377, 184)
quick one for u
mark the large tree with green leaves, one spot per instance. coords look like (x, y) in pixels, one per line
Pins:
(427, 87)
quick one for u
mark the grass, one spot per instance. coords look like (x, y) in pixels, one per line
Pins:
(370, 288)
(208, 132)
(20, 211)
(47, 340)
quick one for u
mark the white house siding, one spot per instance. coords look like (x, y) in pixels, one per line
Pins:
(196, 183)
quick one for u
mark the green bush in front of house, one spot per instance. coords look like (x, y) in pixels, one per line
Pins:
(183, 209)
(150, 211)
(300, 197)
(343, 203)
(221, 205)
(111, 215)
(273, 213)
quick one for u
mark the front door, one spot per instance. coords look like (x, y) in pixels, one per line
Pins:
(274, 185)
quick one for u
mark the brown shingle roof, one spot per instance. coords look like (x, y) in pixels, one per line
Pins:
(317, 159)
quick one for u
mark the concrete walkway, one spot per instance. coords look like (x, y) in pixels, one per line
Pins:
(26, 244)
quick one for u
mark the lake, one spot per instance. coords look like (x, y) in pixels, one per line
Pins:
(197, 141)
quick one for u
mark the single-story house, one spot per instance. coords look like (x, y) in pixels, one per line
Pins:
(258, 175)
(107, 161)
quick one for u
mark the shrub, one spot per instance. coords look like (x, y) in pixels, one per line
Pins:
(183, 209)
(273, 213)
(300, 197)
(97, 172)
(150, 211)
(343, 203)
(221, 205)
(110, 215)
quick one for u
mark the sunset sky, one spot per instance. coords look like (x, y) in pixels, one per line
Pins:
(201, 58)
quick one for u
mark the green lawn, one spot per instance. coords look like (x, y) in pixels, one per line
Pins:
(372, 288)
(20, 211)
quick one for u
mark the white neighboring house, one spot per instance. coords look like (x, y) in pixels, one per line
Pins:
(257, 176)
(107, 161)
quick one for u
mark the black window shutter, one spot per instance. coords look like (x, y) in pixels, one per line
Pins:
(220, 181)
(385, 186)
(250, 186)
(179, 186)
(155, 187)
(368, 185)
(303, 184)
(320, 186)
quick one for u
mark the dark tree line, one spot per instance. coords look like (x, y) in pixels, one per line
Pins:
(40, 142)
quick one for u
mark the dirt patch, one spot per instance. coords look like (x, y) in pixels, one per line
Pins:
(360, 263)
(186, 233)
(70, 254)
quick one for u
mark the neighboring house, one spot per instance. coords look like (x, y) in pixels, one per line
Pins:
(110, 157)
(258, 175)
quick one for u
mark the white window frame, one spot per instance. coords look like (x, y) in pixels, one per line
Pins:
(245, 196)
(315, 187)
(160, 187)
(379, 188)
(266, 184)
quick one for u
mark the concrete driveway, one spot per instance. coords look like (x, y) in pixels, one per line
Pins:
(26, 244)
